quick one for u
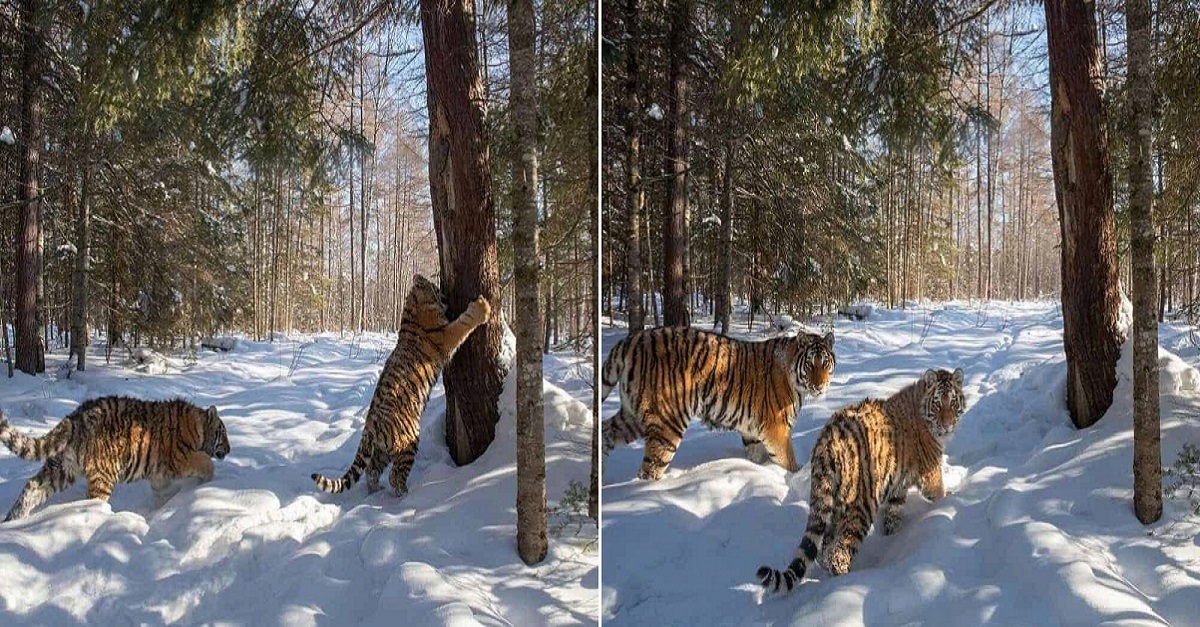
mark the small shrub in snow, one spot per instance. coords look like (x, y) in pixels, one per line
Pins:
(1183, 479)
(570, 510)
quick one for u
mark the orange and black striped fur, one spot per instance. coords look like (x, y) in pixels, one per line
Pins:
(868, 456)
(670, 375)
(115, 438)
(427, 341)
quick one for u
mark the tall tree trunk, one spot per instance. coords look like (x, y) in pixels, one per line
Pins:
(28, 250)
(675, 230)
(531, 422)
(725, 246)
(1147, 454)
(466, 221)
(79, 334)
(1083, 190)
(635, 194)
(594, 222)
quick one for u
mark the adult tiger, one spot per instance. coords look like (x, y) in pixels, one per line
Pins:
(670, 375)
(116, 438)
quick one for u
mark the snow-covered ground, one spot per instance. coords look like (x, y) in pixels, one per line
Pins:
(259, 545)
(1038, 529)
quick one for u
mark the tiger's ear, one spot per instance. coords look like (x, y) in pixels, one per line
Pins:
(828, 340)
(212, 411)
(958, 376)
(930, 376)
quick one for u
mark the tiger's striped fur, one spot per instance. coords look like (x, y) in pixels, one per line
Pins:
(427, 342)
(670, 375)
(868, 456)
(116, 439)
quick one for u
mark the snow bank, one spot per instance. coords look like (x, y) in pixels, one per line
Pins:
(259, 545)
(1038, 529)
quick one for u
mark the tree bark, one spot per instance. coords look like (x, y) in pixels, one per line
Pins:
(675, 231)
(531, 439)
(28, 251)
(635, 194)
(79, 335)
(1147, 455)
(594, 222)
(1083, 190)
(466, 221)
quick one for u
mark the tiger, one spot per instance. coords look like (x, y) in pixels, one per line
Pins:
(113, 439)
(669, 375)
(869, 455)
(426, 342)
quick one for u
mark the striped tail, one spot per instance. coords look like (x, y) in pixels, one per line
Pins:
(35, 448)
(352, 475)
(614, 367)
(819, 516)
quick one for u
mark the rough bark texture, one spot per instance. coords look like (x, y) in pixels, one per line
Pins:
(675, 231)
(531, 438)
(1147, 455)
(1083, 189)
(27, 245)
(594, 202)
(79, 334)
(466, 221)
(722, 305)
(635, 195)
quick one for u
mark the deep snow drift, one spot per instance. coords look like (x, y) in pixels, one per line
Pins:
(259, 545)
(1038, 528)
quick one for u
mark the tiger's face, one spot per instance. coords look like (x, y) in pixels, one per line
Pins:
(216, 439)
(944, 401)
(815, 366)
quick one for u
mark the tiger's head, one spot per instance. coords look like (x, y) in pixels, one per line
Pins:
(944, 402)
(814, 366)
(426, 302)
(216, 439)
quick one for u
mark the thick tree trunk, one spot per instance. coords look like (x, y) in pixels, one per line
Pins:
(635, 194)
(466, 221)
(531, 439)
(675, 229)
(1147, 455)
(28, 250)
(1083, 189)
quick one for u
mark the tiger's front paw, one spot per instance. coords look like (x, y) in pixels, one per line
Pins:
(479, 310)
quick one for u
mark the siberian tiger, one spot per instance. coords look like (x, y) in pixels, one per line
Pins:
(670, 375)
(869, 455)
(426, 343)
(115, 438)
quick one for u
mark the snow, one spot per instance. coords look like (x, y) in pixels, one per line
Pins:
(1038, 528)
(259, 545)
(6, 136)
(654, 112)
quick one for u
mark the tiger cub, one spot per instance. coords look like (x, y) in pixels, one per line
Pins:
(670, 375)
(426, 343)
(869, 455)
(116, 438)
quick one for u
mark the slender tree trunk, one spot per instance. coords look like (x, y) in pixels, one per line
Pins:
(1147, 456)
(28, 235)
(594, 227)
(635, 194)
(675, 229)
(1083, 189)
(531, 443)
(79, 334)
(466, 221)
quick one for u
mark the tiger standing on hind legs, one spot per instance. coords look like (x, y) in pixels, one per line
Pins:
(670, 375)
(426, 342)
(865, 459)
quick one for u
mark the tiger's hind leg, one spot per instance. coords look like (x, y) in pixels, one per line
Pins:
(402, 463)
(662, 441)
(893, 513)
(375, 467)
(851, 530)
(55, 476)
(623, 428)
(778, 441)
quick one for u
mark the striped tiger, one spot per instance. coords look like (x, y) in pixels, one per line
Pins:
(427, 342)
(869, 455)
(670, 375)
(116, 439)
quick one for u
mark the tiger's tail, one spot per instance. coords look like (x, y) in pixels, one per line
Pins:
(35, 448)
(614, 367)
(365, 448)
(819, 518)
